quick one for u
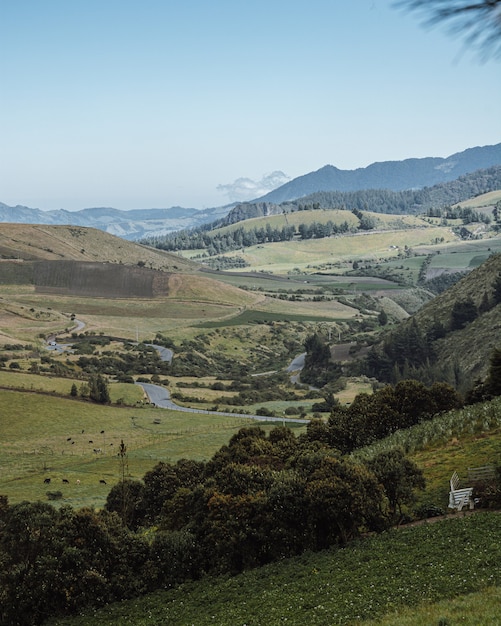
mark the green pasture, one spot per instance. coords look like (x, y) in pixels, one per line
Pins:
(459, 260)
(483, 200)
(485, 245)
(21, 381)
(45, 436)
(262, 317)
(322, 216)
(329, 280)
(436, 574)
(282, 257)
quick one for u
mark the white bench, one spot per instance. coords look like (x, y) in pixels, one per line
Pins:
(460, 497)
(481, 474)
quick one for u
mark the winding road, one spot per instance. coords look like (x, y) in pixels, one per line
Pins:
(160, 397)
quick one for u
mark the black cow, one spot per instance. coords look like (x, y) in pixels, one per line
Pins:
(65, 480)
(46, 481)
(102, 481)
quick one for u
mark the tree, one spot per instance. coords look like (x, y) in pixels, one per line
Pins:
(493, 382)
(478, 21)
(463, 312)
(383, 318)
(399, 477)
(341, 498)
(98, 389)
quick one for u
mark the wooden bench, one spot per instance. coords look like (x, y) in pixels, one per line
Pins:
(481, 474)
(459, 496)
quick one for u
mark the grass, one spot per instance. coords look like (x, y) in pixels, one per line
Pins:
(283, 257)
(454, 441)
(262, 317)
(416, 570)
(128, 393)
(45, 436)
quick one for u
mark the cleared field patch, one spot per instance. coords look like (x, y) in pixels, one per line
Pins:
(483, 200)
(127, 393)
(120, 317)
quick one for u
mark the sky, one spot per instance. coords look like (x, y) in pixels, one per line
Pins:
(137, 104)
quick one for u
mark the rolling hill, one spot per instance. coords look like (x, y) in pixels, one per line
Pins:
(36, 242)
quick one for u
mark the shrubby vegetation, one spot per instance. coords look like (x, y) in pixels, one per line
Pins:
(259, 499)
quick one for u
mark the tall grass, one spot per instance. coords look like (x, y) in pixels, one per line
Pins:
(475, 419)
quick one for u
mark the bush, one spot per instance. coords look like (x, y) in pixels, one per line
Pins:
(54, 495)
(427, 510)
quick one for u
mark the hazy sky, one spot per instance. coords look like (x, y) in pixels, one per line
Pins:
(156, 103)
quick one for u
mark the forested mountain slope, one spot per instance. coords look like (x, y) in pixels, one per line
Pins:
(451, 338)
(395, 175)
(378, 199)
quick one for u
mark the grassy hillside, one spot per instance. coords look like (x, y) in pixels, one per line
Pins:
(483, 200)
(417, 567)
(32, 242)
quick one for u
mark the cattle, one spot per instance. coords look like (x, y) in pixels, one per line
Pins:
(78, 482)
(69, 439)
(65, 480)
(102, 481)
(46, 481)
(90, 441)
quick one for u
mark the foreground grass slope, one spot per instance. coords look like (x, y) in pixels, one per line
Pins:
(411, 567)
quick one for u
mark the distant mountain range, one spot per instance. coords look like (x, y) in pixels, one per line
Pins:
(131, 225)
(391, 175)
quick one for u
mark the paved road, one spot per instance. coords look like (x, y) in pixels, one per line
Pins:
(165, 353)
(161, 398)
(297, 363)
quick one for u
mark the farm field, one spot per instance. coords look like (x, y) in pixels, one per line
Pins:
(283, 257)
(50, 437)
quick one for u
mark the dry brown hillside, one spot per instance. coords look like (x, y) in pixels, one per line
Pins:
(33, 242)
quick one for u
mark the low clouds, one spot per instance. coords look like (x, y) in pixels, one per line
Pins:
(247, 189)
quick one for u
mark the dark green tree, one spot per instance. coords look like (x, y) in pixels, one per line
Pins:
(463, 312)
(493, 382)
(399, 477)
(98, 389)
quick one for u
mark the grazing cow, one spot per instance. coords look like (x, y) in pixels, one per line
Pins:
(78, 482)
(69, 439)
(102, 432)
(102, 481)
(90, 441)
(65, 480)
(46, 481)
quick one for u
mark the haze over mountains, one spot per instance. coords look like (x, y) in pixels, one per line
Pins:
(393, 175)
